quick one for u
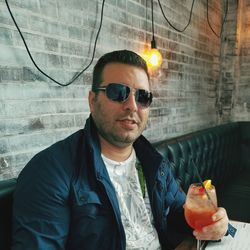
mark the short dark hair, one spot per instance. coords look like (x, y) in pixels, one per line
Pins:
(119, 56)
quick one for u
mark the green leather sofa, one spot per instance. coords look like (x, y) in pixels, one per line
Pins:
(222, 154)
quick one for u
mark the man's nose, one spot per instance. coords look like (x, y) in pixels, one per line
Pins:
(130, 103)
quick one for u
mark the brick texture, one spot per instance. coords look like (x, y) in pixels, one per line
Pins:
(234, 90)
(203, 80)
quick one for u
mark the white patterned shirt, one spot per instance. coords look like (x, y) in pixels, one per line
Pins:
(135, 213)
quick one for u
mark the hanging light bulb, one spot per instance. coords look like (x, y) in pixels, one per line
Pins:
(152, 56)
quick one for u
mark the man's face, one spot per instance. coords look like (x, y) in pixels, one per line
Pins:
(120, 123)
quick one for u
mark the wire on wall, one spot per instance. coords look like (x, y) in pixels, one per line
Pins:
(38, 68)
(98, 32)
(190, 16)
(224, 19)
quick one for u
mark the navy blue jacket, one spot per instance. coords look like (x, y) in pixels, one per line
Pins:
(64, 198)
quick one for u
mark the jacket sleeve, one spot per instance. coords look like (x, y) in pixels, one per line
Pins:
(177, 228)
(41, 213)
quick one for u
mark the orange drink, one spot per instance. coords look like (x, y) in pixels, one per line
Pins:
(199, 208)
(198, 219)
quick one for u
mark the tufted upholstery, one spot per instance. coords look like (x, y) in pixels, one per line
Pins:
(222, 154)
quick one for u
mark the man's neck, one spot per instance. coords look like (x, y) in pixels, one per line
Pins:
(115, 153)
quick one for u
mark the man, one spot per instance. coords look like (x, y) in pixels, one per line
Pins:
(84, 192)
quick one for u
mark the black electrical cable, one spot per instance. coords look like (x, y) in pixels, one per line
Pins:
(152, 18)
(52, 79)
(190, 16)
(224, 19)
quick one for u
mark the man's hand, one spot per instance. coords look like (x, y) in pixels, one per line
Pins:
(217, 230)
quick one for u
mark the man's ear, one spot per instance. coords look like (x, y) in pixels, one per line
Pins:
(91, 99)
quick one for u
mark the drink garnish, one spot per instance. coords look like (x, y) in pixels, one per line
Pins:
(202, 184)
(207, 184)
(201, 190)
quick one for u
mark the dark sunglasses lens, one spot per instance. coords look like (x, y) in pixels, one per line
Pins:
(143, 97)
(117, 92)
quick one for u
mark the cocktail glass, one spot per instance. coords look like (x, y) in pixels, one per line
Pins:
(199, 207)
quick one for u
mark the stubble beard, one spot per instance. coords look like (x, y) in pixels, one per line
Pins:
(117, 136)
(118, 140)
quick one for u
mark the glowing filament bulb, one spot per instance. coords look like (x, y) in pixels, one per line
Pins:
(155, 58)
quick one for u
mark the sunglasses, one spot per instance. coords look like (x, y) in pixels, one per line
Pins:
(119, 92)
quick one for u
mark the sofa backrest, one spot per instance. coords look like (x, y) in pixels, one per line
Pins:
(7, 188)
(245, 145)
(215, 151)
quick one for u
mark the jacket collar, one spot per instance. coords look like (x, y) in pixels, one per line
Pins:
(95, 148)
(150, 159)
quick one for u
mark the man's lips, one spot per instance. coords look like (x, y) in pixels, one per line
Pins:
(128, 123)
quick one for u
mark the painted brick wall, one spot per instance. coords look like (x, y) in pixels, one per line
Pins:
(234, 94)
(35, 112)
(241, 100)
